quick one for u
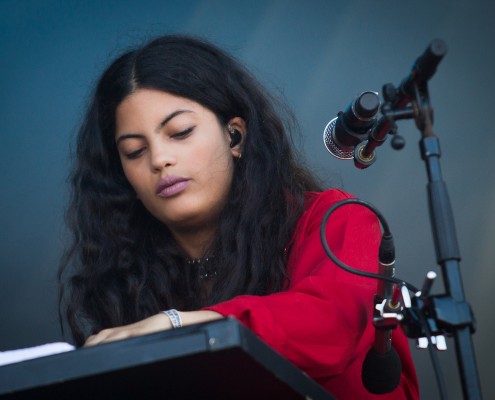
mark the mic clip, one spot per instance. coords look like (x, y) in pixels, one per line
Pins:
(411, 314)
(418, 316)
(388, 311)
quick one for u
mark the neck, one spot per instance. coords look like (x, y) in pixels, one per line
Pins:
(195, 242)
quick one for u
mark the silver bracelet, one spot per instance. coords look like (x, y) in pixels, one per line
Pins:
(174, 318)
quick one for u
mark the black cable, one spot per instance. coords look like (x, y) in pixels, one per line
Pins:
(386, 231)
(434, 360)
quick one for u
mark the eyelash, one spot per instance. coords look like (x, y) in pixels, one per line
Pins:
(135, 154)
(183, 133)
(180, 135)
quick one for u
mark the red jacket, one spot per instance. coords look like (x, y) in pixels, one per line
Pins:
(323, 321)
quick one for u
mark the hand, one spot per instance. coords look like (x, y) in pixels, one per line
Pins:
(156, 323)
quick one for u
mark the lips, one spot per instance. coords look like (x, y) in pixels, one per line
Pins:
(171, 186)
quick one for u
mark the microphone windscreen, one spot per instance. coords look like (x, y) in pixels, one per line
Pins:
(335, 149)
(381, 372)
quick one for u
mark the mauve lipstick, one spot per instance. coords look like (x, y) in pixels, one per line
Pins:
(171, 185)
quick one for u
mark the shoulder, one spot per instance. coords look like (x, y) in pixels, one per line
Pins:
(318, 203)
(352, 232)
(316, 200)
(353, 222)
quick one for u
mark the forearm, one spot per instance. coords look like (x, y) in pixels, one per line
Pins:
(196, 317)
(156, 323)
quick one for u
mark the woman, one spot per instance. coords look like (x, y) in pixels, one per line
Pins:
(187, 198)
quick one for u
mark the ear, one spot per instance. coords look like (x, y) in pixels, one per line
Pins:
(239, 125)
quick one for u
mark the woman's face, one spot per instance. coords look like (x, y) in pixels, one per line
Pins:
(177, 157)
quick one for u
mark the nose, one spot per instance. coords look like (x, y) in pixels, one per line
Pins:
(161, 158)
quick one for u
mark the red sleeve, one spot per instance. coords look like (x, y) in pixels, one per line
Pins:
(322, 322)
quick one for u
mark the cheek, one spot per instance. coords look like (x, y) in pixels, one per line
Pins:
(134, 177)
(214, 163)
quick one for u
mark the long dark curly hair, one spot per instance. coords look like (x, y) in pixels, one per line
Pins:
(122, 264)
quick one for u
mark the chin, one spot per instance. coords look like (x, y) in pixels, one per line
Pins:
(183, 220)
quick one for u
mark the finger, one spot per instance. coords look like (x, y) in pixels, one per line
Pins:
(101, 337)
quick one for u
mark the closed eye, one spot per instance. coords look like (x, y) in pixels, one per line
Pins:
(183, 134)
(134, 154)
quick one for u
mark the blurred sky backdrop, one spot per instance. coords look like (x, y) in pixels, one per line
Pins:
(315, 54)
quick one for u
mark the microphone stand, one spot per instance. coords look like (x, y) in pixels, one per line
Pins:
(451, 311)
(448, 313)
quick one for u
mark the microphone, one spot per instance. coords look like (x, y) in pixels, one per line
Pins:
(343, 133)
(422, 70)
(382, 367)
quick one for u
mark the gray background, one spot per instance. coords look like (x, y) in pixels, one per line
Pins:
(317, 55)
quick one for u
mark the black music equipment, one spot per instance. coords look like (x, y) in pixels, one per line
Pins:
(216, 360)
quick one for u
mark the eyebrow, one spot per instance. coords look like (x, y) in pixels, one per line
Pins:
(165, 121)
